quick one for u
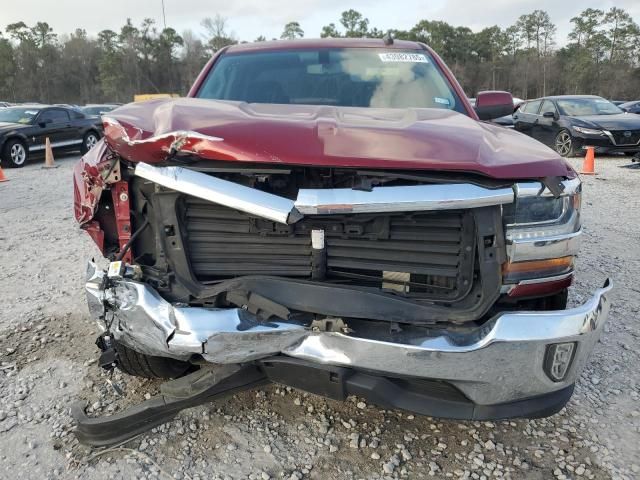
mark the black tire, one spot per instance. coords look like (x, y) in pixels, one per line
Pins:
(140, 365)
(89, 140)
(563, 144)
(15, 154)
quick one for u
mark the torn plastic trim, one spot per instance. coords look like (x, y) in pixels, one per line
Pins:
(540, 189)
(197, 388)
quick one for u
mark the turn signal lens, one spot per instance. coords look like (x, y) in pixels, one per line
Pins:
(514, 272)
(558, 360)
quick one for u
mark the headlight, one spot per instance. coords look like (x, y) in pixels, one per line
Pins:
(588, 131)
(536, 210)
(542, 232)
(537, 217)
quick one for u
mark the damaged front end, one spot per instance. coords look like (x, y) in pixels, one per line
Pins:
(435, 292)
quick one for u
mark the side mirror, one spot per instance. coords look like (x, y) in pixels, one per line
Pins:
(44, 123)
(549, 114)
(493, 104)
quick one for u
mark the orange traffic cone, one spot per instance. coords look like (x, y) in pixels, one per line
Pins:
(48, 155)
(2, 177)
(588, 166)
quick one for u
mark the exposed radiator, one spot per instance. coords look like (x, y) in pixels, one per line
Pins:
(423, 253)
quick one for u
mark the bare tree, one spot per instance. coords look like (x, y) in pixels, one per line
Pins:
(217, 34)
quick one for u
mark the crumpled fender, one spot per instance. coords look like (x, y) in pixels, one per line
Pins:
(88, 181)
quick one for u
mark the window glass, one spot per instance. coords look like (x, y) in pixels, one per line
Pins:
(578, 107)
(56, 116)
(352, 77)
(532, 107)
(547, 106)
(18, 114)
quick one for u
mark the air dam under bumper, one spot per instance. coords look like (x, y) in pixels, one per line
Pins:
(501, 361)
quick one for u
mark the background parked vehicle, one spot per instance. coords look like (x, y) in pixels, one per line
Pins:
(24, 130)
(97, 110)
(631, 107)
(568, 123)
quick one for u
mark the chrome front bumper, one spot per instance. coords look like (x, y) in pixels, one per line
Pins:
(501, 361)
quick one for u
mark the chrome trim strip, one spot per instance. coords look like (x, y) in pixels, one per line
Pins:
(534, 281)
(65, 143)
(498, 362)
(323, 201)
(216, 190)
(399, 199)
(542, 248)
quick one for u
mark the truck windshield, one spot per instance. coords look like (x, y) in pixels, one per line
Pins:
(353, 77)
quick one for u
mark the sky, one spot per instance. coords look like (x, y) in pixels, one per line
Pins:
(248, 19)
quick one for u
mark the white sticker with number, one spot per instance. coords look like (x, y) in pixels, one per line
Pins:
(403, 57)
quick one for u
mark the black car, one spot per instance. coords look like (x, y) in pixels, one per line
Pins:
(24, 130)
(569, 123)
(631, 107)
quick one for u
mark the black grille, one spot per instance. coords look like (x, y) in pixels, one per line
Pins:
(623, 138)
(417, 253)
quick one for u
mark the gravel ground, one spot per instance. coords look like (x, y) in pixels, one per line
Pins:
(47, 362)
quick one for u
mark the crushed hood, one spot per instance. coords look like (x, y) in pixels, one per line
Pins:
(414, 139)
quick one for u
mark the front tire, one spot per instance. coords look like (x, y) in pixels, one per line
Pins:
(14, 154)
(564, 144)
(145, 366)
(89, 141)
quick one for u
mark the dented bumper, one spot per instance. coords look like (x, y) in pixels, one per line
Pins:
(504, 360)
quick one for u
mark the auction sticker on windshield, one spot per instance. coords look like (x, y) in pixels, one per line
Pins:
(403, 57)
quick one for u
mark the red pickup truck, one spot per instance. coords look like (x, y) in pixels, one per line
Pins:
(334, 215)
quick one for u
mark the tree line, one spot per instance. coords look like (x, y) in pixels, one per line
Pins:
(602, 56)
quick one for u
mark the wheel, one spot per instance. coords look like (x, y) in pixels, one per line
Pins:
(89, 141)
(140, 365)
(14, 154)
(564, 143)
